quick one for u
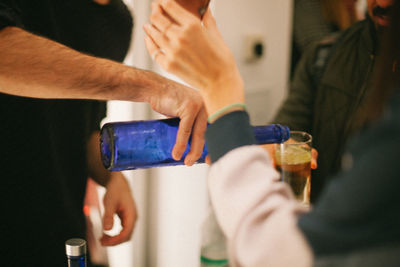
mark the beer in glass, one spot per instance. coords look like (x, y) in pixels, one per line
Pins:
(293, 161)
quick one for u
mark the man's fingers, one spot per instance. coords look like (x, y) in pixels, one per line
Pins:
(197, 142)
(107, 240)
(108, 223)
(182, 137)
(128, 221)
(108, 219)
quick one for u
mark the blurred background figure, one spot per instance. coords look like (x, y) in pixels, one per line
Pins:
(315, 19)
(355, 222)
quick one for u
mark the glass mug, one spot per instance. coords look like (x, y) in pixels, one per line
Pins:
(293, 161)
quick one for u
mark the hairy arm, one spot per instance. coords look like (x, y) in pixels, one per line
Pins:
(33, 66)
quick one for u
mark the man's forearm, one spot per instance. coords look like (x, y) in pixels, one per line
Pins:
(33, 66)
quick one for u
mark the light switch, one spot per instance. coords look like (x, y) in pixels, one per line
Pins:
(254, 47)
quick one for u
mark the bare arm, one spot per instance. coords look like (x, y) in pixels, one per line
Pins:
(33, 66)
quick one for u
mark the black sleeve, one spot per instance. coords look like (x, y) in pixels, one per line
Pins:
(99, 112)
(361, 206)
(231, 131)
(8, 14)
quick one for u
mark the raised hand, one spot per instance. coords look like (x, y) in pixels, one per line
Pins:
(194, 50)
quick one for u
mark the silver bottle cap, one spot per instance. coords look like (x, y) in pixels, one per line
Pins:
(75, 247)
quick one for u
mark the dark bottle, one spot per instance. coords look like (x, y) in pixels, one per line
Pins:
(75, 250)
(147, 144)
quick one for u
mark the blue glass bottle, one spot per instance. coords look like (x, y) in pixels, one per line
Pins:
(147, 144)
(75, 250)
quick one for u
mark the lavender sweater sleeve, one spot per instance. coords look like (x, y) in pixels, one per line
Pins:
(256, 211)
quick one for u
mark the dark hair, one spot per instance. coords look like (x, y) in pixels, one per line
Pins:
(387, 71)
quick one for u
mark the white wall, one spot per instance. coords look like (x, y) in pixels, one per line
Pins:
(178, 195)
(172, 202)
(266, 79)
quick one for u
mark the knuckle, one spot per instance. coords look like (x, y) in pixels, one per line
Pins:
(196, 104)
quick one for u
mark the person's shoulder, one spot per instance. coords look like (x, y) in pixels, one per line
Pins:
(357, 26)
(353, 32)
(318, 54)
(350, 32)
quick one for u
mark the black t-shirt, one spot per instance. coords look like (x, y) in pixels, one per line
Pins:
(43, 166)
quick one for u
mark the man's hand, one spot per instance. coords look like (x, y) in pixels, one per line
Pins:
(118, 200)
(177, 100)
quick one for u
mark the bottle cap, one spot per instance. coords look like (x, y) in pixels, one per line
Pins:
(75, 247)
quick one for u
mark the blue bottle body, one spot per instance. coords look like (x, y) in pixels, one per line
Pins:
(147, 144)
(77, 261)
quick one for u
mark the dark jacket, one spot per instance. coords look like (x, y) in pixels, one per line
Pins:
(327, 106)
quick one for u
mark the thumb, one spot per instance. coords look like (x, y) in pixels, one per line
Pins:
(208, 160)
(108, 218)
(314, 157)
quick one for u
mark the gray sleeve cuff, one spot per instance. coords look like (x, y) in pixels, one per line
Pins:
(231, 131)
